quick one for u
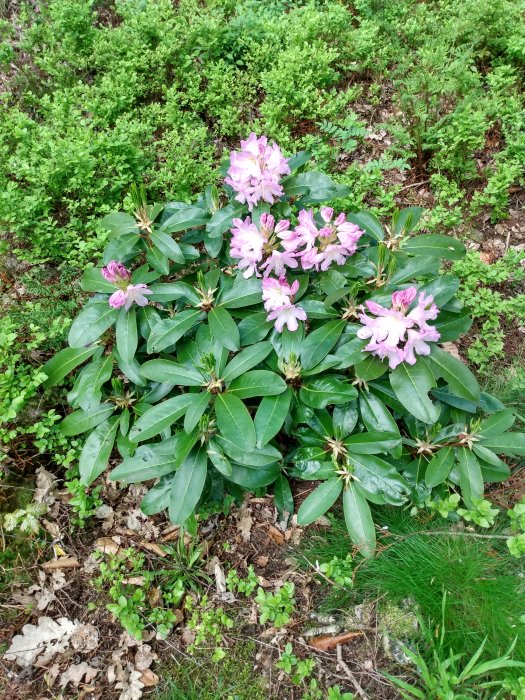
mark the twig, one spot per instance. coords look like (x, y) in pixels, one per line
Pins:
(342, 665)
(414, 184)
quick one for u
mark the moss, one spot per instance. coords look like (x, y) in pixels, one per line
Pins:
(202, 679)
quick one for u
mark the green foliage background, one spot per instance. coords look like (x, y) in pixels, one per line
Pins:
(98, 95)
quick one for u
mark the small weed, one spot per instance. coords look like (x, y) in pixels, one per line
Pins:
(276, 607)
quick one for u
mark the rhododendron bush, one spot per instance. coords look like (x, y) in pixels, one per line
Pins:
(260, 335)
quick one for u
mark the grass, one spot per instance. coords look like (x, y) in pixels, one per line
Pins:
(198, 678)
(484, 585)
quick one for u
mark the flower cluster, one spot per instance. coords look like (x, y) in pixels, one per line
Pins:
(278, 296)
(127, 293)
(256, 170)
(396, 334)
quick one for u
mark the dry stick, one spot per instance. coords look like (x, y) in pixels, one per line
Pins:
(342, 665)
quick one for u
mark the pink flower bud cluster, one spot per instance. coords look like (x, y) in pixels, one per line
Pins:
(278, 301)
(396, 334)
(126, 294)
(256, 170)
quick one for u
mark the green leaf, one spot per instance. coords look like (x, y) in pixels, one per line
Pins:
(323, 391)
(158, 497)
(271, 415)
(243, 293)
(169, 371)
(117, 223)
(63, 362)
(158, 418)
(319, 343)
(283, 496)
(372, 443)
(158, 260)
(470, 476)
(406, 220)
(258, 382)
(119, 248)
(370, 368)
(411, 384)
(91, 322)
(81, 421)
(168, 331)
(313, 187)
(185, 218)
(91, 380)
(127, 334)
(350, 353)
(174, 290)
(435, 245)
(153, 461)
(218, 459)
(251, 478)
(245, 360)
(319, 501)
(379, 477)
(254, 328)
(97, 450)
(257, 458)
(439, 466)
(507, 444)
(369, 223)
(457, 375)
(195, 410)
(358, 519)
(222, 219)
(92, 281)
(442, 289)
(375, 414)
(224, 329)
(497, 423)
(167, 246)
(187, 486)
(452, 325)
(413, 269)
(234, 421)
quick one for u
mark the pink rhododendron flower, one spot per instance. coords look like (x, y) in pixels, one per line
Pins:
(334, 242)
(396, 335)
(115, 272)
(288, 315)
(277, 292)
(132, 294)
(256, 248)
(256, 170)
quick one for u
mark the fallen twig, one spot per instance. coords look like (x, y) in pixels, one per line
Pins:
(342, 665)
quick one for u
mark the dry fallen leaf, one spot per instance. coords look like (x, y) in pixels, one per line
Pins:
(326, 642)
(148, 678)
(276, 535)
(61, 563)
(78, 673)
(262, 561)
(38, 644)
(131, 686)
(152, 547)
(85, 638)
(144, 657)
(244, 525)
(108, 545)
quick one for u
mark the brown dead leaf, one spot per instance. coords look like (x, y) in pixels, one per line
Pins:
(78, 673)
(148, 678)
(154, 597)
(135, 580)
(108, 545)
(276, 535)
(452, 349)
(61, 563)
(245, 523)
(144, 657)
(152, 547)
(326, 642)
(262, 561)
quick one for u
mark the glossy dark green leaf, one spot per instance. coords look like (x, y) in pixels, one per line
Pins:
(319, 343)
(497, 423)
(457, 375)
(470, 476)
(219, 459)
(406, 220)
(379, 477)
(234, 421)
(369, 223)
(258, 382)
(413, 269)
(158, 260)
(319, 501)
(283, 496)
(507, 444)
(167, 246)
(187, 485)
(93, 281)
(199, 403)
(370, 368)
(222, 219)
(80, 421)
(127, 334)
(411, 384)
(375, 414)
(371, 443)
(158, 497)
(313, 187)
(251, 478)
(243, 293)
(254, 328)
(185, 218)
(439, 466)
(91, 322)
(64, 362)
(172, 291)
(160, 417)
(91, 380)
(246, 360)
(168, 331)
(435, 245)
(271, 415)
(323, 391)
(224, 329)
(95, 454)
(169, 371)
(358, 519)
